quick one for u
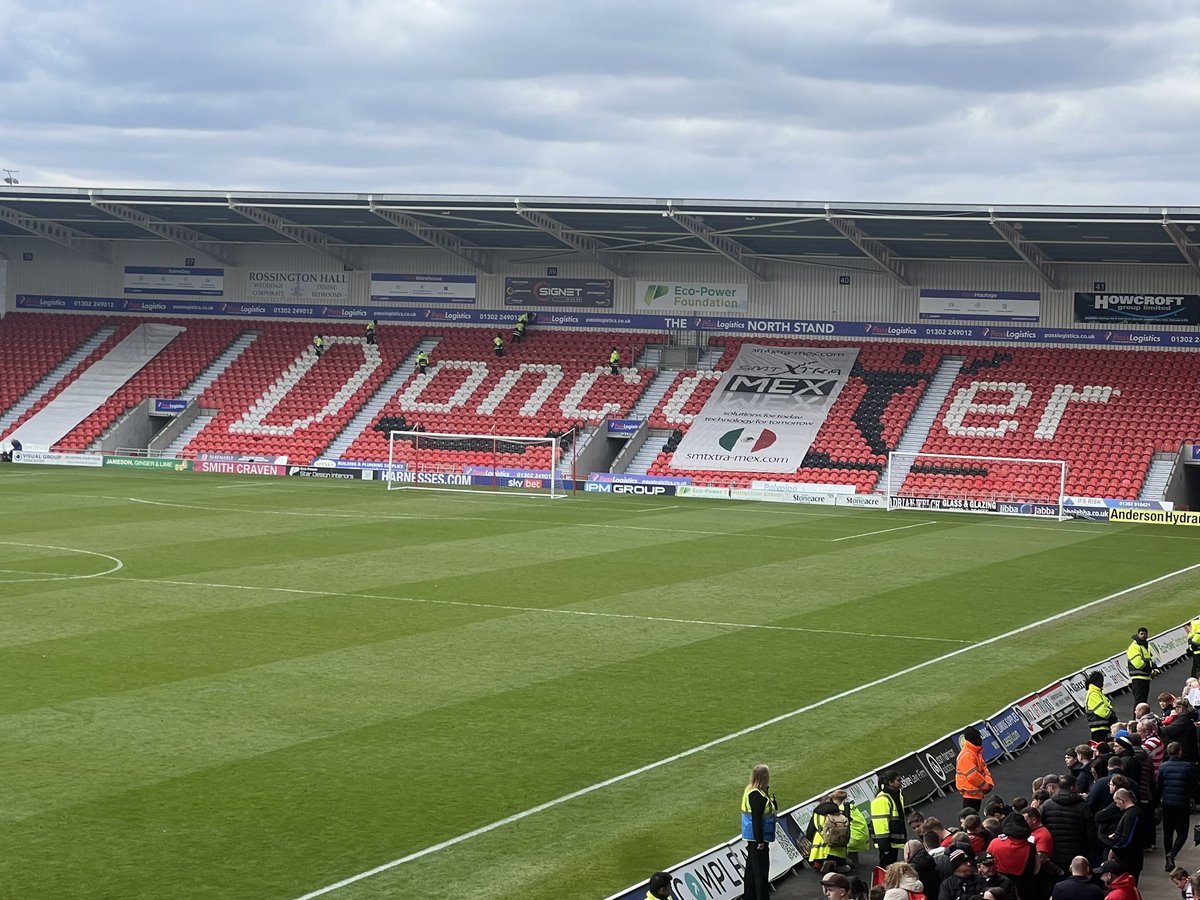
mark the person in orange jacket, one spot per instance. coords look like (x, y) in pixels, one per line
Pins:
(971, 776)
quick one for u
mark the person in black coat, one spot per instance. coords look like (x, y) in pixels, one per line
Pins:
(1070, 822)
(964, 881)
(992, 878)
(1123, 838)
(1182, 728)
(918, 857)
(1079, 886)
(1100, 795)
(1176, 787)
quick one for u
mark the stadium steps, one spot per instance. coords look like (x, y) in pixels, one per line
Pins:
(210, 374)
(648, 452)
(61, 371)
(176, 447)
(709, 357)
(923, 418)
(653, 394)
(650, 358)
(1161, 467)
(365, 416)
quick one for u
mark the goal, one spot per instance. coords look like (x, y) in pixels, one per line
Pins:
(447, 461)
(977, 484)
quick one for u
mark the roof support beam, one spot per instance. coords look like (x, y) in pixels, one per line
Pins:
(874, 249)
(581, 243)
(314, 240)
(1189, 250)
(726, 246)
(176, 234)
(1027, 250)
(81, 243)
(435, 237)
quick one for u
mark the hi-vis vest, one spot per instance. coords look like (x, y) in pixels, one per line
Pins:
(1138, 660)
(1194, 636)
(768, 819)
(887, 821)
(1099, 709)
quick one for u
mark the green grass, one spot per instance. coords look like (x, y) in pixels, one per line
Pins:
(289, 682)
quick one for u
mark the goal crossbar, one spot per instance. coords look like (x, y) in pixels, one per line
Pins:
(958, 491)
(539, 479)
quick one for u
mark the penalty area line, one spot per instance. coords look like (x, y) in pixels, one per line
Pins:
(851, 537)
(734, 735)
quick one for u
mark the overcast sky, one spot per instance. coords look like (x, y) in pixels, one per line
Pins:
(955, 101)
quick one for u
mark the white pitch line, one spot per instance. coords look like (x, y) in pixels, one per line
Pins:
(649, 767)
(551, 610)
(119, 565)
(851, 537)
(658, 508)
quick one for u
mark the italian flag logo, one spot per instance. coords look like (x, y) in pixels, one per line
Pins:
(747, 440)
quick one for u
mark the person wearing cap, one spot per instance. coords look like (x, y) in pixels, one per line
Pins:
(971, 776)
(991, 877)
(1099, 707)
(835, 886)
(1079, 885)
(1140, 661)
(1176, 787)
(758, 831)
(964, 881)
(887, 819)
(1120, 883)
(659, 886)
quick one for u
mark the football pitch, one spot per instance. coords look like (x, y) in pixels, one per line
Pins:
(263, 688)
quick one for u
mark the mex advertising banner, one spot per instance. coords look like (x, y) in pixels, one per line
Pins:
(1177, 309)
(766, 410)
(595, 293)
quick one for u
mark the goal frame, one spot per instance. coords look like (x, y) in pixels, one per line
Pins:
(995, 503)
(498, 484)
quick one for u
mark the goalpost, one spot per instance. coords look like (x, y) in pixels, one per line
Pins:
(506, 467)
(996, 485)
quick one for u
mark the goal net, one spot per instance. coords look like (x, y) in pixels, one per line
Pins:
(445, 461)
(976, 484)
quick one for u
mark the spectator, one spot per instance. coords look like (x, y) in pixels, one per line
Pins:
(834, 886)
(1071, 758)
(1151, 742)
(933, 825)
(1084, 776)
(964, 881)
(995, 893)
(973, 826)
(1016, 856)
(902, 875)
(860, 828)
(1181, 727)
(1100, 795)
(1051, 784)
(659, 886)
(1176, 788)
(1140, 661)
(971, 776)
(1120, 883)
(916, 823)
(1166, 707)
(991, 877)
(758, 830)
(1079, 886)
(1043, 843)
(918, 857)
(1122, 837)
(1071, 824)
(1098, 706)
(1182, 880)
(887, 819)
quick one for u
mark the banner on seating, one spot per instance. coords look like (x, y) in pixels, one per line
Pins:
(766, 410)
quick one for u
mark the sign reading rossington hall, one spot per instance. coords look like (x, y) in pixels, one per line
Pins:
(766, 410)
(1178, 309)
